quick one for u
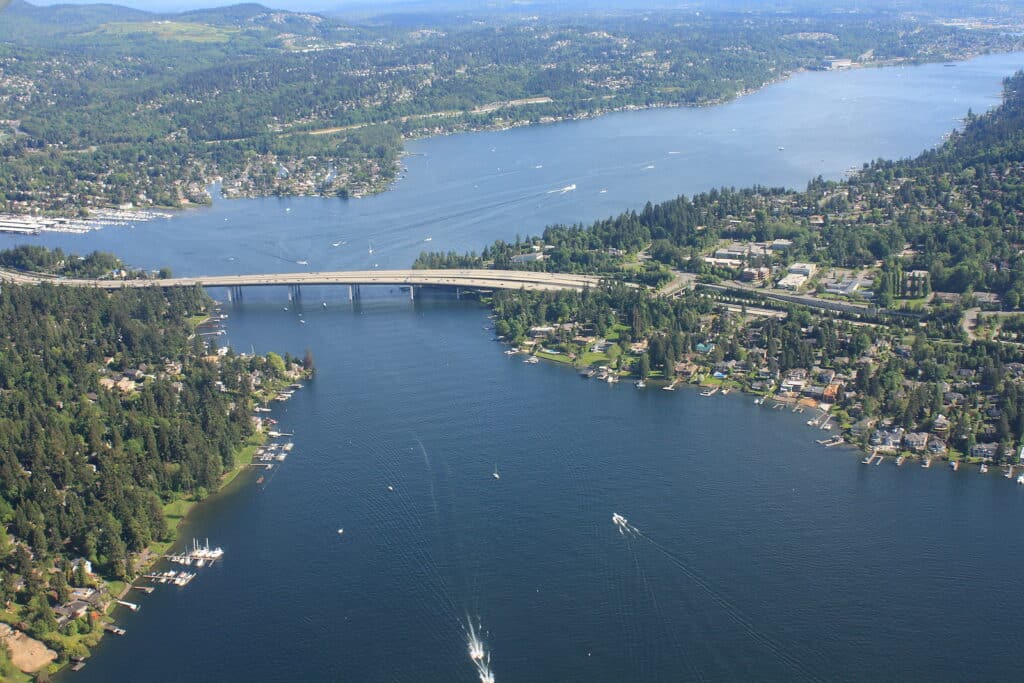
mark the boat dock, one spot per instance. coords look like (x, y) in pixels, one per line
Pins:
(130, 605)
(673, 385)
(900, 460)
(198, 555)
(832, 441)
(875, 458)
(171, 576)
(116, 630)
(709, 391)
(144, 589)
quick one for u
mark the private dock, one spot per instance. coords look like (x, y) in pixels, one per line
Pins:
(144, 589)
(116, 630)
(875, 458)
(673, 385)
(900, 460)
(130, 605)
(709, 391)
(927, 463)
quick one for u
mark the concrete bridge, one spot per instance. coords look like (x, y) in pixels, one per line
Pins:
(456, 279)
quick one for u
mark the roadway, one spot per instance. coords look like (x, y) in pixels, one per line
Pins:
(463, 278)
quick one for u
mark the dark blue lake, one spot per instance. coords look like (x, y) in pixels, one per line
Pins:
(758, 554)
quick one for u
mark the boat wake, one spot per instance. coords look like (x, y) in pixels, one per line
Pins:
(563, 190)
(478, 653)
(731, 610)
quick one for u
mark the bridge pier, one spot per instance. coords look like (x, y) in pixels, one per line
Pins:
(353, 292)
(412, 292)
(234, 294)
(294, 293)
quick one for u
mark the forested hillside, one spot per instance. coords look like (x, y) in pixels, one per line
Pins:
(111, 407)
(101, 105)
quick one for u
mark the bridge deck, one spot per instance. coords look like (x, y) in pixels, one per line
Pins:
(469, 279)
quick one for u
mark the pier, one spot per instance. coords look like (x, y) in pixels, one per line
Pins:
(875, 458)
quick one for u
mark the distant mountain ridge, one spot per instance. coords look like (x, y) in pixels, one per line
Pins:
(20, 17)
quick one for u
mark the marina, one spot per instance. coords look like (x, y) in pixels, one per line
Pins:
(198, 555)
(24, 224)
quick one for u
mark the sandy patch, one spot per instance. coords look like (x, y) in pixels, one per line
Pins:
(28, 654)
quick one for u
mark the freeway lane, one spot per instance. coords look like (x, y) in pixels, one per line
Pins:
(468, 278)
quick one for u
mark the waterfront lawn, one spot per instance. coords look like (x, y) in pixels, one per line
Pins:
(556, 357)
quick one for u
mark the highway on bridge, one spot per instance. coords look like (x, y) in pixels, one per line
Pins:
(464, 278)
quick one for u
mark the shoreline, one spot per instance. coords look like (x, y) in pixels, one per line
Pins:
(384, 184)
(177, 514)
(726, 387)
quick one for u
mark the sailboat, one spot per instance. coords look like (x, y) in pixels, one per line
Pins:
(371, 247)
(496, 475)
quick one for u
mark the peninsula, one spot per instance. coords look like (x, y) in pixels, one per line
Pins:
(104, 107)
(888, 305)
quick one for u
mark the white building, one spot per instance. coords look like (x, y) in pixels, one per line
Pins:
(805, 269)
(792, 281)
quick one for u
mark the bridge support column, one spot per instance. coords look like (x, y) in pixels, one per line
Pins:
(412, 292)
(458, 292)
(294, 293)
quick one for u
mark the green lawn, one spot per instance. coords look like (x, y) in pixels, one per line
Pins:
(170, 30)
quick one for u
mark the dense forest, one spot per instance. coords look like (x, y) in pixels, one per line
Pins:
(111, 407)
(103, 105)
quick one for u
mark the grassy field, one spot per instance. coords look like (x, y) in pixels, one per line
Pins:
(169, 30)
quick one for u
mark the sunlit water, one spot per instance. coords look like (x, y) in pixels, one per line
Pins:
(751, 553)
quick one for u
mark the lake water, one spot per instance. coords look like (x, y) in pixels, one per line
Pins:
(759, 555)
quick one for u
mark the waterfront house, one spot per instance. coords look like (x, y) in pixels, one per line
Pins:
(985, 451)
(940, 425)
(890, 438)
(831, 392)
(916, 441)
(936, 446)
(70, 611)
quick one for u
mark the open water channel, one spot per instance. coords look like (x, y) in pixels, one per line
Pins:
(760, 555)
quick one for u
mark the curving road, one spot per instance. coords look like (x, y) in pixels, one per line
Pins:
(467, 278)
